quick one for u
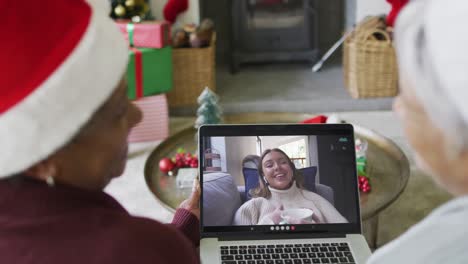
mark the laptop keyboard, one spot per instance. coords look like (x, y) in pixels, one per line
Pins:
(287, 254)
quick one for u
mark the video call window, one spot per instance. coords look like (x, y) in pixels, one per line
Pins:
(303, 179)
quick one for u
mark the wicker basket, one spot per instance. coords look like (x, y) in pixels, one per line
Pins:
(194, 69)
(369, 63)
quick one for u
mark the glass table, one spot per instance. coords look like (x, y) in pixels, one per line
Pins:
(387, 166)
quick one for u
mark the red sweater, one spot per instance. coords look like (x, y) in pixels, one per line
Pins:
(41, 224)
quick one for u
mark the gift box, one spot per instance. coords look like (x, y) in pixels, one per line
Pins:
(155, 122)
(149, 72)
(153, 34)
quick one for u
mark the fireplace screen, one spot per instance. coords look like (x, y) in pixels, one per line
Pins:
(273, 30)
(275, 14)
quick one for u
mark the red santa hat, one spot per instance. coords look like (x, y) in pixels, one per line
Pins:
(60, 61)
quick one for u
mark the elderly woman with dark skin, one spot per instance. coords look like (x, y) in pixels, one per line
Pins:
(280, 188)
(64, 122)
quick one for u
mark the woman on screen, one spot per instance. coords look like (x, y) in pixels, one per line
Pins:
(280, 193)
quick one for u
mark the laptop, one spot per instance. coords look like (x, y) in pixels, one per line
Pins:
(298, 203)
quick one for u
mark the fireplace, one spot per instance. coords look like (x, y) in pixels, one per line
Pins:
(299, 31)
(273, 30)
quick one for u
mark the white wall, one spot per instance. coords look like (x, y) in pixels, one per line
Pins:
(236, 150)
(192, 15)
(371, 7)
(219, 144)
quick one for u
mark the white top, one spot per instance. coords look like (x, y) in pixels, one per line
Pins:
(442, 237)
(257, 210)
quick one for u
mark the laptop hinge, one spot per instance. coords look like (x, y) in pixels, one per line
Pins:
(279, 236)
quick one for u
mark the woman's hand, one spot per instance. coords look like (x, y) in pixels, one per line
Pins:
(192, 204)
(272, 218)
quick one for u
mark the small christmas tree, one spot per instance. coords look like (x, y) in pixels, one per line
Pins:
(136, 10)
(209, 111)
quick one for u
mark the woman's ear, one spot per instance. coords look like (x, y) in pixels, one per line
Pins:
(264, 178)
(42, 170)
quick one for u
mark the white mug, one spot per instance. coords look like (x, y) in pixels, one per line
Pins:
(297, 213)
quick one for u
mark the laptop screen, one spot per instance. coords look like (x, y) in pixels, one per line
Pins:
(278, 179)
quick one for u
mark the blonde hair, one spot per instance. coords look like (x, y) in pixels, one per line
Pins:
(262, 189)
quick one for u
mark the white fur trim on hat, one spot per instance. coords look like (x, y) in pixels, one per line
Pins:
(53, 114)
(431, 39)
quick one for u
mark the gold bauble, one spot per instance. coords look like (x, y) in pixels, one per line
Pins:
(119, 11)
(130, 3)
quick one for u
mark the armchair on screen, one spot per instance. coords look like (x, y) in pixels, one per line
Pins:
(220, 200)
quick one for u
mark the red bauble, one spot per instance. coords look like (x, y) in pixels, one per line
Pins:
(194, 163)
(179, 156)
(179, 164)
(366, 189)
(365, 184)
(166, 165)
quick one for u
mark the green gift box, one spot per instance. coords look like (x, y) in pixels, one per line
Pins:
(149, 72)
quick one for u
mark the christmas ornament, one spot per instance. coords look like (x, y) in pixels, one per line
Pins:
(130, 4)
(136, 19)
(119, 11)
(182, 159)
(135, 10)
(361, 163)
(166, 165)
(363, 183)
(185, 160)
(361, 159)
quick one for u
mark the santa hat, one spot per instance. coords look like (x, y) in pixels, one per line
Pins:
(431, 39)
(60, 61)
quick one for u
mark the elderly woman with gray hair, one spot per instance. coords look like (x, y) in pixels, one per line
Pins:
(431, 39)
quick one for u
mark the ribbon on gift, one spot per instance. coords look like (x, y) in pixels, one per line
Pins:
(166, 33)
(130, 29)
(138, 72)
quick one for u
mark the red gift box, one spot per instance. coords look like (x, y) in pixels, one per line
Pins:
(155, 123)
(153, 34)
